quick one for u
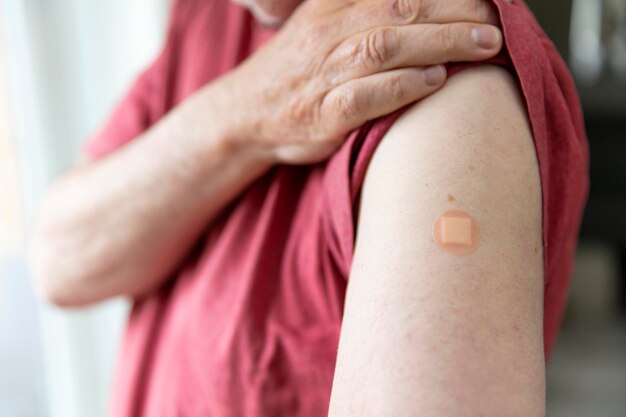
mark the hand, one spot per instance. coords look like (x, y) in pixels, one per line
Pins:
(338, 63)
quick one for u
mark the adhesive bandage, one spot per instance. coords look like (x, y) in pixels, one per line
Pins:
(456, 232)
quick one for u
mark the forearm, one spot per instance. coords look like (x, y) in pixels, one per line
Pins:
(120, 225)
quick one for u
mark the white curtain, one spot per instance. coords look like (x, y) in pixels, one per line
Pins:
(69, 61)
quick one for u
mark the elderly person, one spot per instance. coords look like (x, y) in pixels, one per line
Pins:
(275, 152)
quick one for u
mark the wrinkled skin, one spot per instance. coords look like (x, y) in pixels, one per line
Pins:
(335, 64)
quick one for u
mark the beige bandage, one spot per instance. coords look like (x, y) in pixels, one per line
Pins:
(456, 232)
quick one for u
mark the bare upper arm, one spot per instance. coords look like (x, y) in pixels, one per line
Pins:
(426, 332)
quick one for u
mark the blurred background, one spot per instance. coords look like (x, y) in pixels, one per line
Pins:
(64, 64)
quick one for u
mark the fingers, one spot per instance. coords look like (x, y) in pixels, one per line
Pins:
(385, 48)
(366, 14)
(444, 11)
(354, 102)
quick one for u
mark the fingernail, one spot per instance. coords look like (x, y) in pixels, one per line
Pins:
(434, 75)
(486, 37)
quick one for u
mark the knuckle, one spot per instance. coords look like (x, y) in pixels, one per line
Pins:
(299, 111)
(406, 10)
(372, 50)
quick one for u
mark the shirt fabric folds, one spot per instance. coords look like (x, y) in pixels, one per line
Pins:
(249, 325)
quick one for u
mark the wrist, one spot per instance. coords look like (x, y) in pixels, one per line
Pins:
(234, 118)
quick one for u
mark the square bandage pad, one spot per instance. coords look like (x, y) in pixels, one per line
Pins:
(456, 230)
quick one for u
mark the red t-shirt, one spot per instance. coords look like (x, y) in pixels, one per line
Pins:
(249, 326)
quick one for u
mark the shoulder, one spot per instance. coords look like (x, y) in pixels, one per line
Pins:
(479, 115)
(468, 144)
